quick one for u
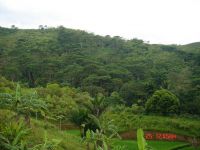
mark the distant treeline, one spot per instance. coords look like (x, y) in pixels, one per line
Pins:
(132, 69)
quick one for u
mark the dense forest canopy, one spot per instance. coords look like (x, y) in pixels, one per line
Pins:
(128, 70)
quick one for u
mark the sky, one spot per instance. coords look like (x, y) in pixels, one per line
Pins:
(155, 21)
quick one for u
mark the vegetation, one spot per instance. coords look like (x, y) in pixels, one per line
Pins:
(142, 144)
(102, 85)
(133, 145)
(163, 102)
(40, 136)
(157, 145)
(132, 69)
(126, 120)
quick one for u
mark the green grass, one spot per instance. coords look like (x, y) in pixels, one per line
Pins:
(73, 132)
(132, 145)
(69, 141)
(191, 148)
(157, 145)
(126, 121)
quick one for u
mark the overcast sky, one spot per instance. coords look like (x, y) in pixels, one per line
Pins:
(157, 21)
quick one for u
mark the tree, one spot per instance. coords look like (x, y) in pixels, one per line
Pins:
(98, 105)
(100, 64)
(132, 91)
(78, 116)
(31, 103)
(163, 102)
(114, 99)
(13, 27)
(41, 27)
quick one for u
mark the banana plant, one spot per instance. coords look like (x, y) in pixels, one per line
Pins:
(23, 104)
(142, 144)
(102, 137)
(98, 139)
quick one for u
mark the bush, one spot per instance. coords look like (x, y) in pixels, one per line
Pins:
(162, 102)
(135, 109)
(13, 136)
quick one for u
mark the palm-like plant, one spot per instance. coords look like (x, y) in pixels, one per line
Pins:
(79, 117)
(99, 105)
(102, 136)
(31, 103)
(23, 104)
(97, 138)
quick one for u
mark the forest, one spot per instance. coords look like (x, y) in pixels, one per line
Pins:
(66, 89)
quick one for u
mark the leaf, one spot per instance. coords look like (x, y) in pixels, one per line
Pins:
(95, 120)
(140, 140)
(105, 146)
(88, 134)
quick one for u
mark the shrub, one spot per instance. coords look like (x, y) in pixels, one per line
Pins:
(162, 102)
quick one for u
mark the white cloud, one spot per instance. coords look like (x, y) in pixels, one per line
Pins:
(157, 21)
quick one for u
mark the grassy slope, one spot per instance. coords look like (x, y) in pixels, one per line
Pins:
(132, 145)
(191, 48)
(38, 128)
(127, 121)
(157, 145)
(71, 140)
(68, 141)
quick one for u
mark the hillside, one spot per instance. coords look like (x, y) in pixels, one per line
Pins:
(41, 132)
(65, 89)
(192, 48)
(97, 64)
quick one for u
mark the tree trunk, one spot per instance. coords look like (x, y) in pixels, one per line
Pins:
(17, 117)
(95, 146)
(88, 146)
(60, 124)
(99, 143)
(36, 115)
(27, 120)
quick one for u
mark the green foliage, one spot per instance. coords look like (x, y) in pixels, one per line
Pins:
(64, 101)
(102, 136)
(13, 136)
(98, 138)
(141, 140)
(132, 91)
(158, 145)
(47, 144)
(78, 116)
(126, 121)
(71, 75)
(42, 134)
(98, 64)
(114, 99)
(23, 103)
(163, 102)
(181, 146)
(98, 105)
(142, 144)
